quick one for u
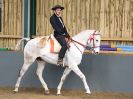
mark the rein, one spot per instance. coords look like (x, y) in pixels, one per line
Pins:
(79, 43)
(91, 38)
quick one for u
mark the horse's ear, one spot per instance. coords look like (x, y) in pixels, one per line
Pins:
(100, 32)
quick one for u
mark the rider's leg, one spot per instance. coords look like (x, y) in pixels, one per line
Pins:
(63, 43)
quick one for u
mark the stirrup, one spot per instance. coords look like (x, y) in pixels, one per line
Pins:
(60, 62)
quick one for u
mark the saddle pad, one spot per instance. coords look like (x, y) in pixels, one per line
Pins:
(54, 45)
(51, 45)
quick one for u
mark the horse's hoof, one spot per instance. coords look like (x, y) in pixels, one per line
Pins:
(59, 94)
(14, 91)
(88, 94)
(47, 92)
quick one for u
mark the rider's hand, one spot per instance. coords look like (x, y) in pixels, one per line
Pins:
(69, 37)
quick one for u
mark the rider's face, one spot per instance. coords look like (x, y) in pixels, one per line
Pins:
(58, 12)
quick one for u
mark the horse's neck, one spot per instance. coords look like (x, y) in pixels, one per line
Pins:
(82, 38)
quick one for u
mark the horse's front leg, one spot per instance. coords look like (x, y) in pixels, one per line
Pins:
(78, 72)
(65, 74)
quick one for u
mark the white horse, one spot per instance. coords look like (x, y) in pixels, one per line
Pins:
(39, 49)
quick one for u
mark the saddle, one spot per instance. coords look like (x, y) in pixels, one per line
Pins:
(55, 46)
(52, 44)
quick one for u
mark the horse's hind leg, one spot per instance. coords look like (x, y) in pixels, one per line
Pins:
(28, 60)
(39, 72)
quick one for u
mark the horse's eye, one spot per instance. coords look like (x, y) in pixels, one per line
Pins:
(97, 40)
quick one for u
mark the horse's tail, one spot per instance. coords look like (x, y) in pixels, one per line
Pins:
(19, 43)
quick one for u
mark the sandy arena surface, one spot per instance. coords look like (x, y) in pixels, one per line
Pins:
(24, 93)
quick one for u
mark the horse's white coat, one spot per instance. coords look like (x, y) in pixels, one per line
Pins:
(72, 59)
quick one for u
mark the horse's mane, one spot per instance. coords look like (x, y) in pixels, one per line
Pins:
(83, 33)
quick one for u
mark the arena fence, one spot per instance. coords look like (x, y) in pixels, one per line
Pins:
(114, 18)
(11, 23)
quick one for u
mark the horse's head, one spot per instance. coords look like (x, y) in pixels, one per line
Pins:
(93, 42)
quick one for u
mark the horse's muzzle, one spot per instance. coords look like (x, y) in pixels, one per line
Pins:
(95, 53)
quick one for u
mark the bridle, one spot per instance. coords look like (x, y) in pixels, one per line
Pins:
(91, 39)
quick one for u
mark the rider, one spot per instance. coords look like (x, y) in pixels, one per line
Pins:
(60, 32)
